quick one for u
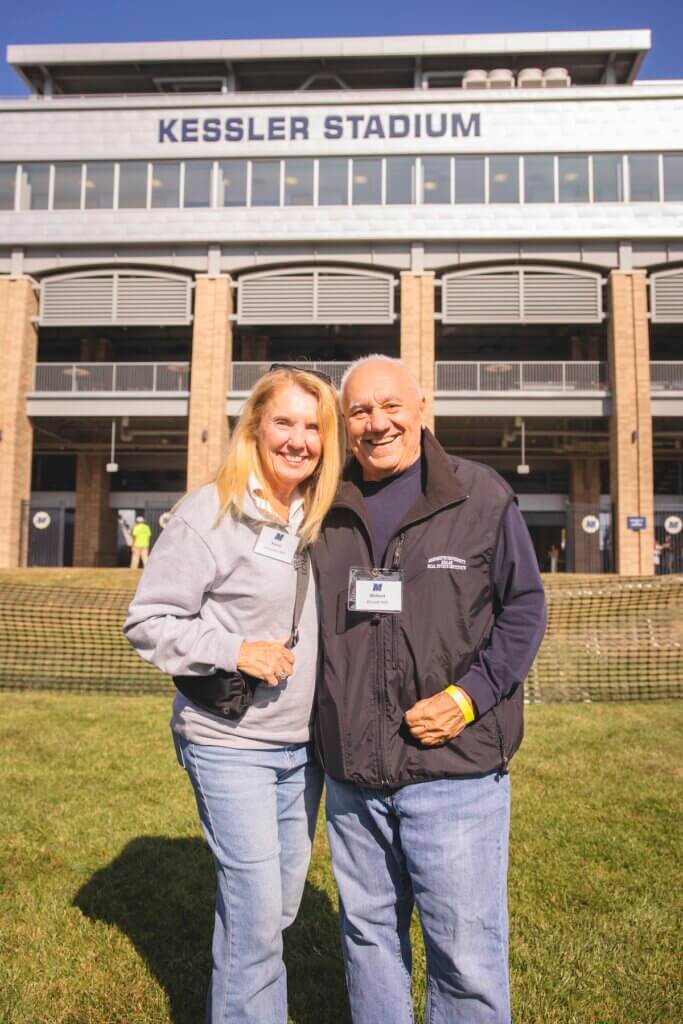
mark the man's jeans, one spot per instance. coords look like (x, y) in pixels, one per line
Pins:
(258, 810)
(442, 845)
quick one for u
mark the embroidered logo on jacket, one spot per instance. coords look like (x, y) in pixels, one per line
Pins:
(446, 562)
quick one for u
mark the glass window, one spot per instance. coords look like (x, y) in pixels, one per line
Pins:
(573, 179)
(133, 185)
(643, 175)
(8, 176)
(333, 182)
(503, 179)
(469, 179)
(367, 181)
(166, 185)
(400, 179)
(608, 178)
(539, 179)
(436, 179)
(673, 176)
(67, 194)
(99, 186)
(298, 183)
(265, 183)
(197, 184)
(232, 183)
(35, 190)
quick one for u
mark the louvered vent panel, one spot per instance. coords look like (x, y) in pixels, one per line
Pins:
(667, 297)
(76, 300)
(276, 299)
(524, 295)
(355, 299)
(482, 298)
(116, 298)
(153, 300)
(561, 298)
(316, 296)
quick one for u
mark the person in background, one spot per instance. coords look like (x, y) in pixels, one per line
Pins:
(554, 558)
(141, 535)
(227, 596)
(432, 610)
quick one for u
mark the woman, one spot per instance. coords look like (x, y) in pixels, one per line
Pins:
(219, 596)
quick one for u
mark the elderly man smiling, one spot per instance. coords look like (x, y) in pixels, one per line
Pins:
(432, 611)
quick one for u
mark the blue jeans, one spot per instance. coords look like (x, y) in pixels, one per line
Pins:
(442, 845)
(258, 810)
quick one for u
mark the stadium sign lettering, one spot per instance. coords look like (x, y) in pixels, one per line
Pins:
(290, 128)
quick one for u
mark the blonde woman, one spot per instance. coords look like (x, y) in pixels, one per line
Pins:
(227, 606)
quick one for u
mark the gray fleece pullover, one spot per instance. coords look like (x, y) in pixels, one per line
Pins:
(205, 590)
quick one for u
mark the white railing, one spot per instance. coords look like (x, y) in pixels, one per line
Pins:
(449, 377)
(506, 375)
(86, 378)
(245, 375)
(666, 376)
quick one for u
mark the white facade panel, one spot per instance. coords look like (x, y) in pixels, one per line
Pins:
(345, 224)
(584, 120)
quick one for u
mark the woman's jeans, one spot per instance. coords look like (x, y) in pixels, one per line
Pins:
(442, 845)
(258, 810)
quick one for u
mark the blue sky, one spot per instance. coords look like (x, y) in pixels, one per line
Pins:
(73, 21)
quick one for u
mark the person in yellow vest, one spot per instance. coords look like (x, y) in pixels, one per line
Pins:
(141, 535)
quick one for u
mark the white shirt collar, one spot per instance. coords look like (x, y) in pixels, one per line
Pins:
(255, 488)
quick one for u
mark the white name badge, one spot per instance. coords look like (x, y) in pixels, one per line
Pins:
(277, 544)
(375, 590)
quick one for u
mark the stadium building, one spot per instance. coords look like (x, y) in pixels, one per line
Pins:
(503, 211)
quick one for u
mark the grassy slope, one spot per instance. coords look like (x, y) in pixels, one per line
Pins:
(106, 889)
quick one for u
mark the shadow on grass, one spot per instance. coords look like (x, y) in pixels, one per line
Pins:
(160, 893)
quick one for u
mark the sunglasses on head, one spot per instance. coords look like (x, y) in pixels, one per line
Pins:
(302, 369)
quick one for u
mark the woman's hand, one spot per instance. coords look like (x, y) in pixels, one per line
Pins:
(267, 660)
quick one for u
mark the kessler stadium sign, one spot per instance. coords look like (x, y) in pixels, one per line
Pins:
(290, 128)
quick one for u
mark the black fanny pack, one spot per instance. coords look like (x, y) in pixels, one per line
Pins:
(229, 694)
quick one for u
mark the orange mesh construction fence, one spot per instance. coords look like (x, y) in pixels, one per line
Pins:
(608, 638)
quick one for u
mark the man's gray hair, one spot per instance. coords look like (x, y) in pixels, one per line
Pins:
(377, 357)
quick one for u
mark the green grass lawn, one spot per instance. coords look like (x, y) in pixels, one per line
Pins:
(106, 889)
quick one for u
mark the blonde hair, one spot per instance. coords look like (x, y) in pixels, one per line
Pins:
(242, 458)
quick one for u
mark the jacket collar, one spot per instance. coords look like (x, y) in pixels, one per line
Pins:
(440, 483)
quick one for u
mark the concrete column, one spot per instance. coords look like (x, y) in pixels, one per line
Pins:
(631, 468)
(95, 522)
(418, 333)
(584, 498)
(211, 359)
(18, 348)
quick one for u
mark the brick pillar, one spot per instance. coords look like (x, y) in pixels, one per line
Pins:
(631, 422)
(417, 333)
(18, 348)
(95, 522)
(211, 358)
(584, 498)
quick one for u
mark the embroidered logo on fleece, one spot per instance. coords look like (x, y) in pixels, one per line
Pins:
(446, 562)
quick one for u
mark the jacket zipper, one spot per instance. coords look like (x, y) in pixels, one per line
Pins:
(382, 666)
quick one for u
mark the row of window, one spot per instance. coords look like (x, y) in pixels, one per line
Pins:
(335, 181)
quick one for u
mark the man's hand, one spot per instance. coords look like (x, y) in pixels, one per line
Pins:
(435, 720)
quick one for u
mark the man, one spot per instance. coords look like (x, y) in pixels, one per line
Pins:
(432, 610)
(141, 536)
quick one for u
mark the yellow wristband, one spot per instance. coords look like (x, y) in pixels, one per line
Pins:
(463, 702)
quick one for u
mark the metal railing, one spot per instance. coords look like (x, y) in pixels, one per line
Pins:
(505, 375)
(449, 377)
(244, 375)
(86, 378)
(666, 376)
